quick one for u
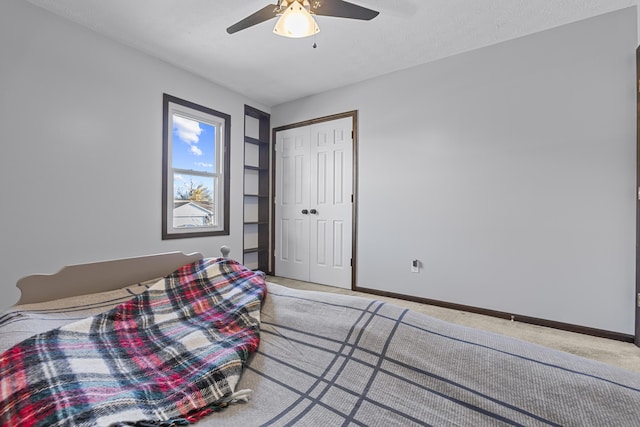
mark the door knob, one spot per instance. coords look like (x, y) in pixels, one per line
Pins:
(305, 212)
(314, 212)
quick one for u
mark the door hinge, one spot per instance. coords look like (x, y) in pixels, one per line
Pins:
(352, 197)
(638, 300)
(351, 264)
(638, 193)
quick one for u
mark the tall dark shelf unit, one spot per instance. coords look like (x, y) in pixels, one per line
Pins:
(257, 173)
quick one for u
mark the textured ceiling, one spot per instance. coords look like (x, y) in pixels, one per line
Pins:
(270, 69)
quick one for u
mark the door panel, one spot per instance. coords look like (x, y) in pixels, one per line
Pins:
(330, 195)
(314, 175)
(321, 243)
(292, 226)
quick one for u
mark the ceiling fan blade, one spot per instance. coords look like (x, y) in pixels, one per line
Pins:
(342, 9)
(262, 15)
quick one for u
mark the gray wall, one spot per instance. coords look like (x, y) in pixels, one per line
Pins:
(509, 171)
(80, 169)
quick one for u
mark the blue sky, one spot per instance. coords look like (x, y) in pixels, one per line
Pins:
(193, 145)
(193, 149)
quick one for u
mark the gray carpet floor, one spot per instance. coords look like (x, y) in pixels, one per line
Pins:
(617, 353)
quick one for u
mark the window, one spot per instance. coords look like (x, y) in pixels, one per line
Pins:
(195, 170)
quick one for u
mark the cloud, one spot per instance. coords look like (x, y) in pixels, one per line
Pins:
(204, 165)
(195, 150)
(187, 130)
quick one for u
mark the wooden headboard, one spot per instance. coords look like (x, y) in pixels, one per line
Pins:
(83, 279)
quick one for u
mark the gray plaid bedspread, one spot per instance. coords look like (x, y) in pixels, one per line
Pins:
(336, 360)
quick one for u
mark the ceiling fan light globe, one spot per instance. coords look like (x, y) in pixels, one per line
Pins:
(296, 22)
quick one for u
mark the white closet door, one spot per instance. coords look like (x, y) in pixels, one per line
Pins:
(314, 187)
(292, 197)
(331, 154)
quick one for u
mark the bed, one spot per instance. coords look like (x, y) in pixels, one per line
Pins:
(304, 358)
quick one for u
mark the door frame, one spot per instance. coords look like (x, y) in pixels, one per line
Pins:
(637, 295)
(353, 114)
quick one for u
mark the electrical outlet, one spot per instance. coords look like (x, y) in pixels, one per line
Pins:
(415, 266)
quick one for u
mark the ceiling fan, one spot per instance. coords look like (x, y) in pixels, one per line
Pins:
(296, 16)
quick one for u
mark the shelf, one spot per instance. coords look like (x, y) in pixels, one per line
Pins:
(257, 176)
(250, 140)
(256, 168)
(251, 250)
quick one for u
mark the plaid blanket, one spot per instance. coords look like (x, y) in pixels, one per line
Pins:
(172, 354)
